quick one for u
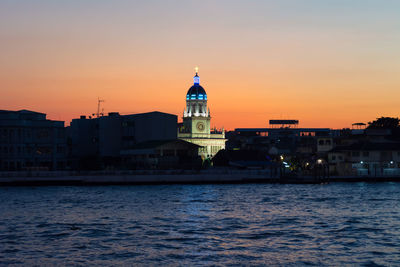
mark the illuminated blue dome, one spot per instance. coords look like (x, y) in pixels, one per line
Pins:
(196, 92)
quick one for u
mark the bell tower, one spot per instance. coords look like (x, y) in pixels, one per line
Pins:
(196, 116)
(196, 122)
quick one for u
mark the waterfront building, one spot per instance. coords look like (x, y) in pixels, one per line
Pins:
(374, 152)
(366, 159)
(196, 125)
(162, 154)
(99, 141)
(29, 141)
(283, 137)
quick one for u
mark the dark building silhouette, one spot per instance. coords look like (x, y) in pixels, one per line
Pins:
(282, 140)
(366, 152)
(97, 142)
(28, 141)
(162, 154)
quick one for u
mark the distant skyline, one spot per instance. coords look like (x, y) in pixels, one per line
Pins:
(325, 63)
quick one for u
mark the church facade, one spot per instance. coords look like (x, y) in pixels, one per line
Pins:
(196, 125)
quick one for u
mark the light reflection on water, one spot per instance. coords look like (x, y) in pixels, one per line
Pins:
(248, 224)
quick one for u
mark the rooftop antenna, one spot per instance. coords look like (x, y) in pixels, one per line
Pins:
(99, 101)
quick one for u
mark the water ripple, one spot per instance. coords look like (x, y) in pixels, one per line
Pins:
(197, 225)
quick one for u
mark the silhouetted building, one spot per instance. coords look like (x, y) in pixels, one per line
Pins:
(28, 141)
(284, 140)
(98, 142)
(372, 152)
(162, 154)
(243, 159)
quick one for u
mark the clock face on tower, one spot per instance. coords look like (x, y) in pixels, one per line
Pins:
(200, 126)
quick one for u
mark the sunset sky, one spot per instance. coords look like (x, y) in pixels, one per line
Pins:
(325, 63)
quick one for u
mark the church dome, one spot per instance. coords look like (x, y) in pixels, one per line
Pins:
(196, 92)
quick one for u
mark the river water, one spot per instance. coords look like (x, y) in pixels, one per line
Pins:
(197, 225)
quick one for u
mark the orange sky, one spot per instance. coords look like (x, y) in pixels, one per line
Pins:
(327, 64)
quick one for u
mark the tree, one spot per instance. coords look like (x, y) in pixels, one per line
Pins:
(384, 123)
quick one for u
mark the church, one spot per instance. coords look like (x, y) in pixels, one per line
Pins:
(196, 125)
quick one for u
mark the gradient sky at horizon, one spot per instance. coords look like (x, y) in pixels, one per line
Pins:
(327, 63)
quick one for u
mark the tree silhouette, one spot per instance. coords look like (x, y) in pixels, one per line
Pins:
(384, 123)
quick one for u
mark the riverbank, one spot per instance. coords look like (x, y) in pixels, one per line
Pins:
(138, 177)
(172, 177)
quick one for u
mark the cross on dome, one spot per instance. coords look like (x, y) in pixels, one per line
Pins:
(196, 78)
